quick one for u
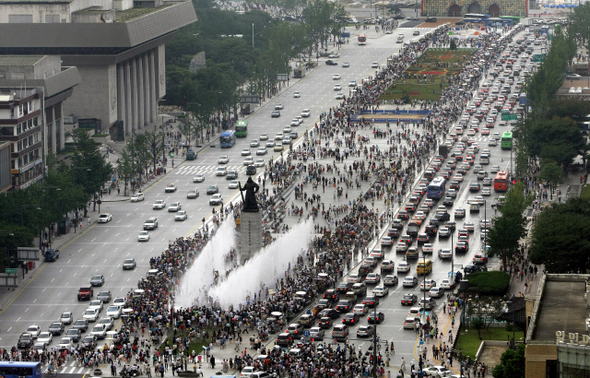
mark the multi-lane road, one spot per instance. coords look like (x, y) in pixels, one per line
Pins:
(102, 249)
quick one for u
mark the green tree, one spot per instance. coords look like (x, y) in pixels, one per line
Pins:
(154, 141)
(125, 168)
(551, 173)
(560, 237)
(509, 227)
(512, 364)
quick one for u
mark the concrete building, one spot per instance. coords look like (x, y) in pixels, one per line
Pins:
(118, 47)
(33, 89)
(557, 340)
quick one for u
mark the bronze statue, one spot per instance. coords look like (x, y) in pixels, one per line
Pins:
(251, 188)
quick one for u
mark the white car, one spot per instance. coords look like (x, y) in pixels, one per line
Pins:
(334, 56)
(246, 152)
(91, 315)
(345, 64)
(435, 292)
(45, 337)
(105, 218)
(492, 143)
(34, 330)
(174, 207)
(427, 284)
(263, 136)
(233, 184)
(306, 113)
(221, 171)
(494, 169)
(199, 178)
(403, 267)
(296, 94)
(352, 83)
(386, 241)
(261, 151)
(445, 253)
(249, 160)
(119, 302)
(270, 143)
(223, 160)
(99, 331)
(159, 205)
(373, 278)
(336, 77)
(215, 199)
(137, 197)
(180, 216)
(259, 163)
(427, 248)
(66, 317)
(446, 284)
(437, 371)
(66, 343)
(360, 309)
(170, 188)
(114, 311)
(295, 122)
(337, 87)
(380, 291)
(143, 236)
(96, 304)
(374, 65)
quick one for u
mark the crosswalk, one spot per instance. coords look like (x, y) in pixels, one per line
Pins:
(205, 169)
(72, 367)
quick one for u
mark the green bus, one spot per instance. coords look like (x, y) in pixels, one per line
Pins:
(242, 129)
(506, 142)
(515, 20)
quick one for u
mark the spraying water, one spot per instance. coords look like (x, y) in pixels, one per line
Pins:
(198, 279)
(265, 267)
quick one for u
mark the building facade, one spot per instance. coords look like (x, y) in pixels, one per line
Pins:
(32, 92)
(118, 47)
(458, 8)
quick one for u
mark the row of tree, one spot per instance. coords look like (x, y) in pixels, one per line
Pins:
(65, 192)
(244, 54)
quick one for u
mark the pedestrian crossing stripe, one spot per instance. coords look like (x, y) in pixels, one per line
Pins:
(195, 169)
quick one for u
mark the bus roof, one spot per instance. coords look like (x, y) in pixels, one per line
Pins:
(242, 123)
(228, 133)
(507, 134)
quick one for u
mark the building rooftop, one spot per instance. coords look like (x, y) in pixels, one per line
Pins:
(19, 60)
(130, 14)
(562, 308)
(35, 1)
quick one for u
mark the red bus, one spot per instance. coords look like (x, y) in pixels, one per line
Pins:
(501, 181)
(362, 39)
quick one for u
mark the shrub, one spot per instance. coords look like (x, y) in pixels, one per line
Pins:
(489, 283)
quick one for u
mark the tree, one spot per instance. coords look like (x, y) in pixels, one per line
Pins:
(453, 45)
(560, 237)
(550, 173)
(154, 141)
(512, 364)
(189, 126)
(509, 227)
(125, 168)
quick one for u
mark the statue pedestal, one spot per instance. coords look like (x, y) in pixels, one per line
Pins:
(250, 235)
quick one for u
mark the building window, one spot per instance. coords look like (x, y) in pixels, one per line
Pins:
(19, 146)
(20, 18)
(35, 122)
(19, 129)
(6, 130)
(36, 138)
(52, 18)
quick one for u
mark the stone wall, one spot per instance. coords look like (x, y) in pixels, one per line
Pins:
(458, 8)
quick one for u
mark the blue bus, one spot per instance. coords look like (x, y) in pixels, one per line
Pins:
(227, 139)
(16, 369)
(436, 188)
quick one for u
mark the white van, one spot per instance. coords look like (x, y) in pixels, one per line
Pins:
(484, 159)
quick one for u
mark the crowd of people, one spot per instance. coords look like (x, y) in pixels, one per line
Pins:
(376, 175)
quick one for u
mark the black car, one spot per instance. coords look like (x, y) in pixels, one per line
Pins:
(74, 334)
(398, 17)
(423, 238)
(324, 303)
(329, 312)
(325, 322)
(213, 189)
(373, 317)
(442, 217)
(344, 306)
(89, 342)
(332, 295)
(461, 247)
(431, 229)
(250, 170)
(81, 324)
(431, 19)
(474, 187)
(455, 185)
(350, 319)
(331, 62)
(475, 268)
(448, 201)
(231, 175)
(393, 233)
(409, 299)
(56, 328)
(371, 301)
(25, 341)
(342, 288)
(275, 114)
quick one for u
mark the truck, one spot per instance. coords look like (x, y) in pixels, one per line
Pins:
(85, 293)
(443, 150)
(191, 155)
(413, 228)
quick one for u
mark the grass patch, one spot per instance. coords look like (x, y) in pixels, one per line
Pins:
(195, 344)
(428, 64)
(468, 341)
(585, 194)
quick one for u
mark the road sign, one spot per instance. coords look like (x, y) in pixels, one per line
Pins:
(509, 117)
(538, 57)
(10, 270)
(306, 333)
